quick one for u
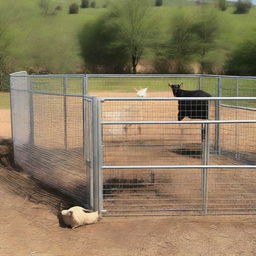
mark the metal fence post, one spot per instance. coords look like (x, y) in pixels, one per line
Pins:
(205, 161)
(217, 117)
(65, 84)
(199, 82)
(97, 155)
(31, 112)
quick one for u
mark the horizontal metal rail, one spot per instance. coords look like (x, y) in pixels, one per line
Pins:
(169, 183)
(179, 167)
(165, 76)
(50, 93)
(137, 76)
(181, 122)
(237, 107)
(178, 199)
(144, 75)
(173, 98)
(169, 205)
(57, 75)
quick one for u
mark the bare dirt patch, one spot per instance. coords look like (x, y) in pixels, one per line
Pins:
(5, 124)
(28, 228)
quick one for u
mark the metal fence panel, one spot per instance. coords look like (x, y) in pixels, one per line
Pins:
(231, 191)
(152, 192)
(130, 156)
(54, 123)
(145, 132)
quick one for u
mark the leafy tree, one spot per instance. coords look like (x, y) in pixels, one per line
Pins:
(192, 38)
(183, 43)
(4, 67)
(93, 4)
(99, 49)
(84, 3)
(136, 28)
(242, 6)
(222, 5)
(242, 60)
(176, 53)
(206, 28)
(47, 7)
(6, 17)
(73, 8)
(158, 2)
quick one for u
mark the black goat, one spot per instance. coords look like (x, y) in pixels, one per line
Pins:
(196, 109)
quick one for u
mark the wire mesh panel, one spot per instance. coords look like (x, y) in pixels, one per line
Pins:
(128, 85)
(232, 191)
(54, 151)
(152, 192)
(238, 87)
(145, 132)
(139, 153)
(88, 146)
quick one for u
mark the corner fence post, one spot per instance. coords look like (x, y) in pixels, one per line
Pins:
(97, 155)
(65, 84)
(217, 117)
(31, 112)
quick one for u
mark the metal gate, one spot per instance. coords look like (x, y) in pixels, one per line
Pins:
(160, 167)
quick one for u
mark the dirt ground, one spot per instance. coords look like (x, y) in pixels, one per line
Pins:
(5, 124)
(28, 228)
(32, 228)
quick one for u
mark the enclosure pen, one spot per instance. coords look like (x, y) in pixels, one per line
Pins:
(92, 139)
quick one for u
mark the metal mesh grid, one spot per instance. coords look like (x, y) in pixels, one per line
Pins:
(155, 191)
(231, 191)
(54, 128)
(125, 85)
(50, 147)
(171, 191)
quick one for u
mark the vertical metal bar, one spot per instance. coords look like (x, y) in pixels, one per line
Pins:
(12, 100)
(100, 156)
(199, 82)
(217, 117)
(97, 188)
(65, 84)
(237, 87)
(85, 85)
(11, 107)
(31, 112)
(205, 161)
(236, 125)
(87, 123)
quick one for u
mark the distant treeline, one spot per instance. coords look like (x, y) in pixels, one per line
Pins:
(127, 36)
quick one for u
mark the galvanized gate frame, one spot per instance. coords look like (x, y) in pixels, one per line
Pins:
(97, 160)
(99, 167)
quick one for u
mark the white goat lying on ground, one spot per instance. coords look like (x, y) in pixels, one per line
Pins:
(77, 216)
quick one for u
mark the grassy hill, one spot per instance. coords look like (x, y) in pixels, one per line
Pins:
(49, 42)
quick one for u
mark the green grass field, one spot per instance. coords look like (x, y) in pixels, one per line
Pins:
(4, 100)
(51, 42)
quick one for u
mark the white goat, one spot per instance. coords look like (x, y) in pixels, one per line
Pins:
(77, 216)
(141, 92)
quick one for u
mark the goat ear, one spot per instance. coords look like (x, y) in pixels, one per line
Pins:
(169, 84)
(181, 84)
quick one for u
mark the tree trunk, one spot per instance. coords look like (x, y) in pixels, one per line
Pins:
(134, 64)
